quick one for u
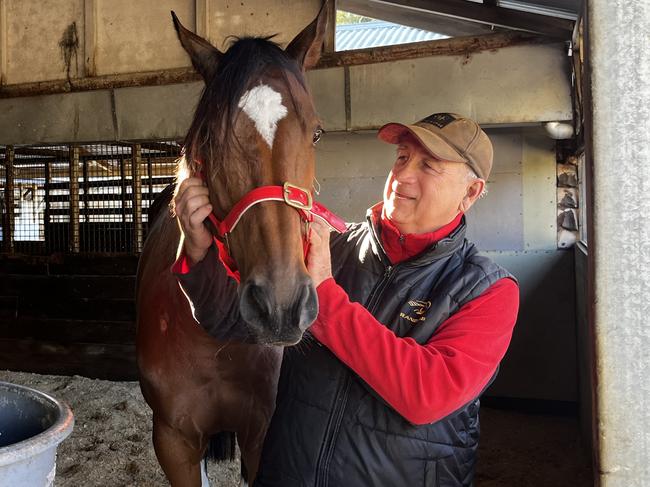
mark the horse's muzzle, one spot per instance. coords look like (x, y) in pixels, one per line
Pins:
(275, 322)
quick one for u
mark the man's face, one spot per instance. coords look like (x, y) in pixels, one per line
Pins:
(423, 193)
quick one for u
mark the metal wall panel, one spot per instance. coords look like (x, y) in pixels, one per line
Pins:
(139, 36)
(515, 84)
(40, 34)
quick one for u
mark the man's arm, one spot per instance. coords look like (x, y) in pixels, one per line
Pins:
(211, 290)
(423, 383)
(209, 285)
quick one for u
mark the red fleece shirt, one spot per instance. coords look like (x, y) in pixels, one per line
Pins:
(423, 383)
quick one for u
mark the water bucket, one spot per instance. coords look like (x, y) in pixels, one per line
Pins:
(32, 424)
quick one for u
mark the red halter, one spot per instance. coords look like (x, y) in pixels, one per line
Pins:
(294, 196)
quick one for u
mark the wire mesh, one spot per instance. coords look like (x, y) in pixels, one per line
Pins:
(84, 198)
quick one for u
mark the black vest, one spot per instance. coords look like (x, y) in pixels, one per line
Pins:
(329, 428)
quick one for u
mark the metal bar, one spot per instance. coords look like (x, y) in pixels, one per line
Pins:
(8, 221)
(137, 197)
(619, 239)
(74, 199)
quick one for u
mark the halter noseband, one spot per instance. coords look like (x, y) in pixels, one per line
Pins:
(298, 198)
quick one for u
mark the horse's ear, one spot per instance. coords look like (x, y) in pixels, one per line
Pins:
(205, 57)
(307, 46)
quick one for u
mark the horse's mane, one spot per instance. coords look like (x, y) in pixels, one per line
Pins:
(211, 136)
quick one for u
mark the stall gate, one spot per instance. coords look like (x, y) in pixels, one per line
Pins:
(81, 198)
(74, 218)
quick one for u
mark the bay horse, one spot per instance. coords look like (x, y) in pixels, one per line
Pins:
(255, 125)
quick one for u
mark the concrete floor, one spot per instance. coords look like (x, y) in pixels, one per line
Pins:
(531, 450)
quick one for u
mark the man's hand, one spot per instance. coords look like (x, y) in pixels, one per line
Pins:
(192, 207)
(319, 261)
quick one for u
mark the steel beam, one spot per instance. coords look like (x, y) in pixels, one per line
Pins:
(620, 238)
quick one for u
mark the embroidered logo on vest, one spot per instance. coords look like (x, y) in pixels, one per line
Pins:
(417, 311)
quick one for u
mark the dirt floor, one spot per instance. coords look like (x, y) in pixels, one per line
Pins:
(111, 441)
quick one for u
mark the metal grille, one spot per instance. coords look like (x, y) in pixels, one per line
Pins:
(88, 198)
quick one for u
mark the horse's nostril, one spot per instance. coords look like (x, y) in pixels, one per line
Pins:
(255, 305)
(307, 306)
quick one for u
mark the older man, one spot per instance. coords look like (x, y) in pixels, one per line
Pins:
(413, 323)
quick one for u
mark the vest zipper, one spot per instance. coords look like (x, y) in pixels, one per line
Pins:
(333, 429)
(327, 450)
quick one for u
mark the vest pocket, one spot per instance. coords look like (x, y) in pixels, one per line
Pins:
(430, 474)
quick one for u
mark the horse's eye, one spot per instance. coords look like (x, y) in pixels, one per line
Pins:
(318, 133)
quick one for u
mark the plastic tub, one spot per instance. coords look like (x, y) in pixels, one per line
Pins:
(32, 424)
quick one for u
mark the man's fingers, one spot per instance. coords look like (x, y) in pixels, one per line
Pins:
(190, 192)
(188, 182)
(200, 214)
(321, 228)
(187, 189)
(193, 203)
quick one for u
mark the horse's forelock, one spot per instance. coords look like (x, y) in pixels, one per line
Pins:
(211, 137)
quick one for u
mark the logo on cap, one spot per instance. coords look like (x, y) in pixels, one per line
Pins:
(440, 120)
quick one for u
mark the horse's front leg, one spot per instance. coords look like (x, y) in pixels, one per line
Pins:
(179, 456)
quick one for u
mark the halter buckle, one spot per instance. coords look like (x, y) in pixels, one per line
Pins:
(287, 191)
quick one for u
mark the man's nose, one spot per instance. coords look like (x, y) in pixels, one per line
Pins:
(405, 172)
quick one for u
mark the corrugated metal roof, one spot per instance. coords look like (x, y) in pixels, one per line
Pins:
(379, 33)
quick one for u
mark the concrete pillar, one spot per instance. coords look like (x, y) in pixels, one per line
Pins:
(619, 31)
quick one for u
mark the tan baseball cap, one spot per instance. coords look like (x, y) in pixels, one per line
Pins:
(450, 137)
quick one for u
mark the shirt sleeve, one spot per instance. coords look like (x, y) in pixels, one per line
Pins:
(211, 291)
(423, 383)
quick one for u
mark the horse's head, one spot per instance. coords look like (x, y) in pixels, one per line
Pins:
(254, 126)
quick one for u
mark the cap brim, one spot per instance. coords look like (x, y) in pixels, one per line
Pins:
(436, 145)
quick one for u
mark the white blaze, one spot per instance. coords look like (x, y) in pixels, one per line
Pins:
(264, 107)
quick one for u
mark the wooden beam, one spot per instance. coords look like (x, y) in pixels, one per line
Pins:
(330, 36)
(74, 199)
(161, 147)
(443, 47)
(136, 171)
(8, 220)
(490, 15)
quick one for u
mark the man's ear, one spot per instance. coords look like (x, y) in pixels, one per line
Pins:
(205, 57)
(306, 47)
(474, 191)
